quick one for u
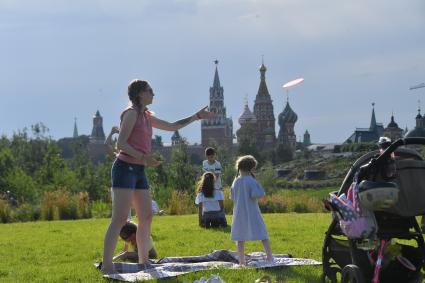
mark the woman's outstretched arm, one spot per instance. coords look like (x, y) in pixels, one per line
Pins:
(168, 126)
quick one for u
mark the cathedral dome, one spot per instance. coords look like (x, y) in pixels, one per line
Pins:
(287, 116)
(247, 116)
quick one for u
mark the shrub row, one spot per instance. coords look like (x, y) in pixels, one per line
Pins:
(277, 203)
(55, 205)
(62, 205)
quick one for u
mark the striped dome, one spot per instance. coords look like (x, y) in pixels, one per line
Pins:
(287, 116)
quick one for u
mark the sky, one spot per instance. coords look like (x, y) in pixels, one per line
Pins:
(65, 59)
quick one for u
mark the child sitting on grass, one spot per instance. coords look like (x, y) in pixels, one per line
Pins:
(210, 201)
(128, 235)
(248, 224)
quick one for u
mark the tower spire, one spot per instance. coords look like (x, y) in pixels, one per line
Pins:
(216, 78)
(263, 110)
(219, 128)
(75, 134)
(373, 118)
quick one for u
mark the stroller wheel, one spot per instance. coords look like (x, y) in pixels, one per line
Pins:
(330, 275)
(352, 274)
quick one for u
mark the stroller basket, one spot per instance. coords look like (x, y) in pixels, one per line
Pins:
(411, 183)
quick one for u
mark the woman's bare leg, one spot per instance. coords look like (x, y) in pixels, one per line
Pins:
(268, 250)
(120, 206)
(241, 252)
(143, 205)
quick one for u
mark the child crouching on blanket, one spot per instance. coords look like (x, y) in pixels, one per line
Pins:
(210, 201)
(248, 224)
(128, 235)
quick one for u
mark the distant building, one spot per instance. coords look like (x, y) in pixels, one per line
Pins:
(263, 111)
(370, 134)
(96, 146)
(306, 140)
(419, 129)
(248, 122)
(176, 139)
(219, 128)
(392, 131)
(287, 120)
(194, 152)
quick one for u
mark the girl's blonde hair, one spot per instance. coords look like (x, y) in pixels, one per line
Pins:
(206, 185)
(246, 163)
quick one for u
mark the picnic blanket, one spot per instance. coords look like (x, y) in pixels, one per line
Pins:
(174, 266)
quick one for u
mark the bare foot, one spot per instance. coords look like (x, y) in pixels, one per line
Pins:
(107, 269)
(270, 259)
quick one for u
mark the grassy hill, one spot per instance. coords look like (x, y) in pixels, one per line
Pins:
(64, 251)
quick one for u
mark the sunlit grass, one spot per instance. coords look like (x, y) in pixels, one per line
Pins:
(64, 251)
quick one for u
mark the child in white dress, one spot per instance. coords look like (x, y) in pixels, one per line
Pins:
(247, 223)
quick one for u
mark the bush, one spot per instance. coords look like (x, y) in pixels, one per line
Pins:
(181, 203)
(300, 207)
(267, 176)
(26, 212)
(304, 204)
(162, 195)
(83, 201)
(61, 205)
(228, 203)
(274, 203)
(5, 212)
(100, 209)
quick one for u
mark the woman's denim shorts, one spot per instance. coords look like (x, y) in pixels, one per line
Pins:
(128, 176)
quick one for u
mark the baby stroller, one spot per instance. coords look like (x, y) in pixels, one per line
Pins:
(390, 187)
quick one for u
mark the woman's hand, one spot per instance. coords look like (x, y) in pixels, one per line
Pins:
(205, 114)
(151, 161)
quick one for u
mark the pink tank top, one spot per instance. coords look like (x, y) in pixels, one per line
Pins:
(141, 136)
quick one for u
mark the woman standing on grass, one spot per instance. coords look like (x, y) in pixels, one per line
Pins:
(129, 182)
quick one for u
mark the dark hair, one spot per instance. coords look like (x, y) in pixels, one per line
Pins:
(209, 151)
(127, 230)
(134, 88)
(206, 185)
(246, 163)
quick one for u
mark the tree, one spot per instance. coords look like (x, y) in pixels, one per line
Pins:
(247, 143)
(183, 174)
(7, 165)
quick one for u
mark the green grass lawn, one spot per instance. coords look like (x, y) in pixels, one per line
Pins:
(64, 251)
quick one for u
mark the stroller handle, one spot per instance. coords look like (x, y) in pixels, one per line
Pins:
(396, 144)
(365, 170)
